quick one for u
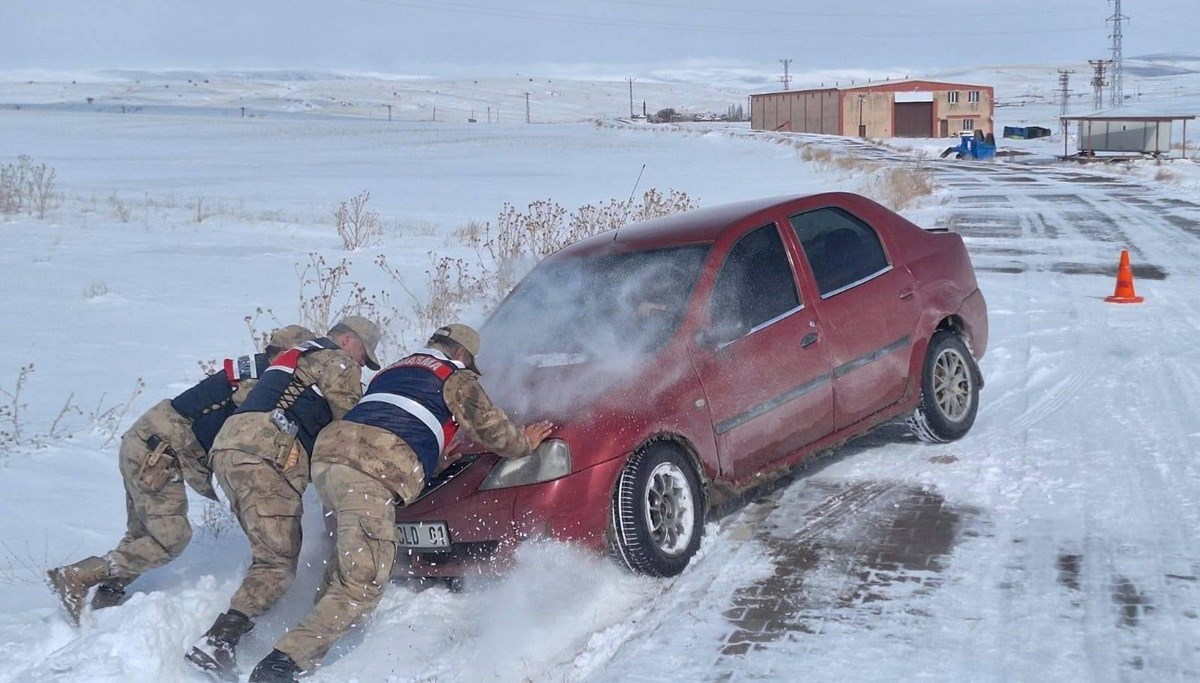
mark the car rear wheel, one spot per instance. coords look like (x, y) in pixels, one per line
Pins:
(658, 511)
(949, 390)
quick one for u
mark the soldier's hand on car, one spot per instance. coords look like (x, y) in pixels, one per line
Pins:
(537, 431)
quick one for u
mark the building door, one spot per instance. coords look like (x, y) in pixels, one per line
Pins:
(945, 125)
(914, 119)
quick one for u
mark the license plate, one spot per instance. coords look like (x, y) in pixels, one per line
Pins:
(423, 535)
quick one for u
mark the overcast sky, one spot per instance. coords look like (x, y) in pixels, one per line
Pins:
(425, 36)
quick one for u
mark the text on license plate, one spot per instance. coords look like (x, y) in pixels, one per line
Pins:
(423, 535)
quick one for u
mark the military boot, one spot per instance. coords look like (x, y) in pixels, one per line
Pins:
(275, 668)
(108, 594)
(216, 651)
(71, 583)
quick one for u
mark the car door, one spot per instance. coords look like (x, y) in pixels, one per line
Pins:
(868, 310)
(761, 361)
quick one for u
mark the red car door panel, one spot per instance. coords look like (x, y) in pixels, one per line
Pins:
(768, 386)
(868, 310)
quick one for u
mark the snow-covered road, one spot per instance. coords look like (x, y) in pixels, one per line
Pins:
(1054, 543)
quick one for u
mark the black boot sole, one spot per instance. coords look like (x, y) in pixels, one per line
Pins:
(201, 661)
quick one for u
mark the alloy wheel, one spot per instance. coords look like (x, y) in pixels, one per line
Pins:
(952, 385)
(669, 508)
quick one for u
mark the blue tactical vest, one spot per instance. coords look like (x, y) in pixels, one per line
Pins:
(210, 402)
(406, 399)
(302, 403)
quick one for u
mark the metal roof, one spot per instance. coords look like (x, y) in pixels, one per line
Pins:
(907, 85)
(1127, 114)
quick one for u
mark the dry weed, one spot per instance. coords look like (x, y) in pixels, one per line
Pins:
(898, 187)
(29, 187)
(216, 519)
(1166, 175)
(357, 225)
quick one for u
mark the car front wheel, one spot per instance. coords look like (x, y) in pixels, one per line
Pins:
(658, 511)
(949, 390)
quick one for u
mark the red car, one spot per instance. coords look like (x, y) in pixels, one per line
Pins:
(690, 358)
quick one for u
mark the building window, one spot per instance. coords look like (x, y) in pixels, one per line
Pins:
(953, 96)
(973, 96)
(968, 124)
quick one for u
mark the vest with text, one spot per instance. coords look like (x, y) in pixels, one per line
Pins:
(406, 398)
(208, 404)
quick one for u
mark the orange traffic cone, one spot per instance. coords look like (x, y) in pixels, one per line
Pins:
(1124, 293)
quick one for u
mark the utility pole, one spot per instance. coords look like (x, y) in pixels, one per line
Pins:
(1064, 89)
(785, 78)
(527, 94)
(630, 81)
(862, 129)
(1098, 82)
(389, 108)
(1118, 70)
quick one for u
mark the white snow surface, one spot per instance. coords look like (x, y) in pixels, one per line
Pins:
(1064, 523)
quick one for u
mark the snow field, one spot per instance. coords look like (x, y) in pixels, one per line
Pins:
(1063, 521)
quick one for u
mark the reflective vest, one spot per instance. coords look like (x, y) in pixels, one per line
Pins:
(406, 399)
(210, 403)
(302, 403)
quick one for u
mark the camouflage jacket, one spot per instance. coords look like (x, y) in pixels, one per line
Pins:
(339, 379)
(380, 454)
(166, 423)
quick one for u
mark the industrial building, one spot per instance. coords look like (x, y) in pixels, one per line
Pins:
(885, 109)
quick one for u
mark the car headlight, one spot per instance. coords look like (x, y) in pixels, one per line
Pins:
(550, 460)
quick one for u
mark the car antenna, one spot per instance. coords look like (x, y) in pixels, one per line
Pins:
(629, 202)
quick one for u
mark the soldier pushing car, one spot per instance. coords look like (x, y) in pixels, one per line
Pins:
(165, 448)
(261, 461)
(379, 455)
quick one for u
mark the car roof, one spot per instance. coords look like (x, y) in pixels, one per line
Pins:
(701, 226)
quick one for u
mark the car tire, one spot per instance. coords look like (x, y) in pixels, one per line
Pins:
(950, 382)
(657, 511)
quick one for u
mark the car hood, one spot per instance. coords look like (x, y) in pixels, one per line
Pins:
(562, 387)
(584, 397)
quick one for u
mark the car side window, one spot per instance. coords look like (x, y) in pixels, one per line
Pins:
(755, 283)
(840, 248)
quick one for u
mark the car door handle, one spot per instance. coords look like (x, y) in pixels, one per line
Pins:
(808, 340)
(907, 293)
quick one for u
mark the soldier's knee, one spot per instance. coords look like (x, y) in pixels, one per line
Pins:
(172, 532)
(180, 541)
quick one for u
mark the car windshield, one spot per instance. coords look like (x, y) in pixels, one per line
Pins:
(577, 310)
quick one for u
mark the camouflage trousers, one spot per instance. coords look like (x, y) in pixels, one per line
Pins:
(359, 567)
(157, 528)
(268, 509)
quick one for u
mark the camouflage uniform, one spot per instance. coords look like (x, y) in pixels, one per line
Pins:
(359, 470)
(264, 472)
(155, 499)
(158, 455)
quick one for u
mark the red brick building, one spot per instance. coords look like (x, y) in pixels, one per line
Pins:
(886, 109)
